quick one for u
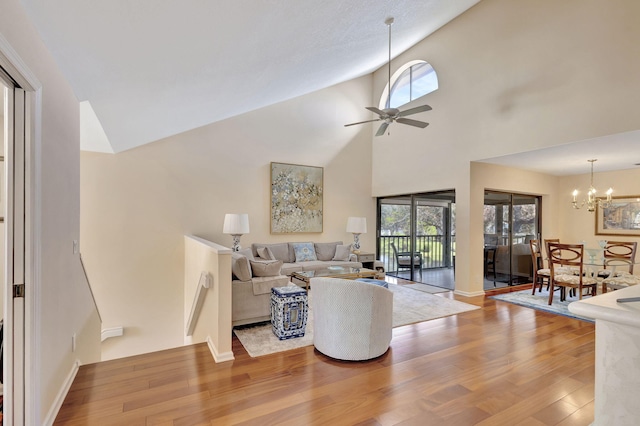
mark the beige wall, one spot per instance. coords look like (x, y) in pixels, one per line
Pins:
(137, 205)
(212, 323)
(62, 302)
(515, 75)
(579, 225)
(506, 179)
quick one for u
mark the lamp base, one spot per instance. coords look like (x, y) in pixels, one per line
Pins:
(356, 244)
(236, 242)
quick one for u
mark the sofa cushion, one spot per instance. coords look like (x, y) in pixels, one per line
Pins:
(240, 267)
(246, 252)
(280, 251)
(263, 285)
(326, 251)
(266, 268)
(304, 252)
(342, 252)
(266, 253)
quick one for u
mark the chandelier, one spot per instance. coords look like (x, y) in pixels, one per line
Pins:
(591, 202)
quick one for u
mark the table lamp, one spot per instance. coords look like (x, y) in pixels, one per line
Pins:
(357, 226)
(236, 224)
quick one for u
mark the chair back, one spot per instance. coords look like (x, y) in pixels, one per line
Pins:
(536, 255)
(395, 250)
(565, 255)
(621, 250)
(352, 320)
(613, 263)
(490, 240)
(546, 246)
(404, 258)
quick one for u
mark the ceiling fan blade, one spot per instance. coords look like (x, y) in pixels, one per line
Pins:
(382, 129)
(411, 122)
(362, 122)
(376, 110)
(414, 110)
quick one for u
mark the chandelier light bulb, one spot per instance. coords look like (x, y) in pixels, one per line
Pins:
(592, 202)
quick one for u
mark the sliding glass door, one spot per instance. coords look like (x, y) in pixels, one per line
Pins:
(510, 222)
(416, 236)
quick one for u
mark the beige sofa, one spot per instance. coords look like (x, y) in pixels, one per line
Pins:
(264, 266)
(521, 265)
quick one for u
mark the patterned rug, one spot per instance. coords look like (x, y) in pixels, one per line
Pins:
(540, 300)
(409, 307)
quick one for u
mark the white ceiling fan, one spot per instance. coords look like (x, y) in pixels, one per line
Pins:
(389, 115)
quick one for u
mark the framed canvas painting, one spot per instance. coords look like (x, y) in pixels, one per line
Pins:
(621, 218)
(296, 198)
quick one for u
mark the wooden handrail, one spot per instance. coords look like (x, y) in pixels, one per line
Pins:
(203, 283)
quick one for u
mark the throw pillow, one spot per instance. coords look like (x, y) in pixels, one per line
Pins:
(246, 252)
(305, 252)
(266, 253)
(280, 251)
(240, 267)
(342, 252)
(266, 268)
(326, 251)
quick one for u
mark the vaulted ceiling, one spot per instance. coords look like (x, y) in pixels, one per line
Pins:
(150, 69)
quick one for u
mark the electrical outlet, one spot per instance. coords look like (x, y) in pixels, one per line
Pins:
(75, 247)
(73, 342)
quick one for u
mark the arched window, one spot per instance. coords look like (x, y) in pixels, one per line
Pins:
(412, 80)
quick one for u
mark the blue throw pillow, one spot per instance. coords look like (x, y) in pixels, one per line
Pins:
(304, 252)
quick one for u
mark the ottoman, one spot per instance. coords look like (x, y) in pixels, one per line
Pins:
(289, 311)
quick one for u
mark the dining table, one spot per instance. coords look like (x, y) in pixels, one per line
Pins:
(595, 263)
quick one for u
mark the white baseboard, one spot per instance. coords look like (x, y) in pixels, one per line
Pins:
(62, 394)
(469, 294)
(111, 332)
(219, 357)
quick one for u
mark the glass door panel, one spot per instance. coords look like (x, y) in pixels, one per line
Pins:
(415, 236)
(510, 221)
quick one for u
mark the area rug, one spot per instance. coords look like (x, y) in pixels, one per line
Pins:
(426, 288)
(409, 307)
(540, 300)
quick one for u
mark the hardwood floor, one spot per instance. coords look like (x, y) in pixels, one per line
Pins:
(499, 365)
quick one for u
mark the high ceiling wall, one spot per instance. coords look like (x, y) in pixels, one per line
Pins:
(514, 75)
(138, 204)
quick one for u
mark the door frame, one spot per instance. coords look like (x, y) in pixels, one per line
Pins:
(28, 410)
(510, 236)
(412, 200)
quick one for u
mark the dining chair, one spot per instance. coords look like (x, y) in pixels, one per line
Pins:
(540, 273)
(618, 279)
(568, 255)
(625, 250)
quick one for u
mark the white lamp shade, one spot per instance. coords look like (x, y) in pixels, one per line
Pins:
(236, 224)
(357, 225)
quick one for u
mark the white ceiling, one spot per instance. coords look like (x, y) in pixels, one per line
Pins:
(150, 69)
(614, 152)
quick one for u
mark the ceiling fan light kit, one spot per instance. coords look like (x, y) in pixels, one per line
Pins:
(390, 115)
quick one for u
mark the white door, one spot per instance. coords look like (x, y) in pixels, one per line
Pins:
(13, 211)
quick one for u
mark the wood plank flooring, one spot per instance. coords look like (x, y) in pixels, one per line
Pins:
(499, 365)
